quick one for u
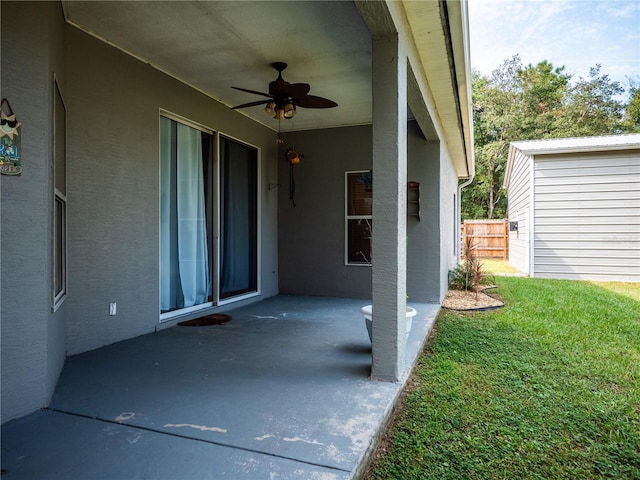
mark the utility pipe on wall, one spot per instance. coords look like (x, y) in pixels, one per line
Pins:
(459, 214)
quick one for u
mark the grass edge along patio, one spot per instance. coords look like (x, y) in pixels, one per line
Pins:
(546, 387)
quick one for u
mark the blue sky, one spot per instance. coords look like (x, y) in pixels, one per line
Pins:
(576, 34)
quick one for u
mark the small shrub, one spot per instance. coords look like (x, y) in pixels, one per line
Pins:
(459, 279)
(469, 274)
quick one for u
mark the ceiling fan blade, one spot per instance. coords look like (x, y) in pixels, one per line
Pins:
(311, 101)
(282, 92)
(298, 90)
(251, 104)
(253, 91)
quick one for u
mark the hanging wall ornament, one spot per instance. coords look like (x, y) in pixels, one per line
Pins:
(9, 141)
(294, 158)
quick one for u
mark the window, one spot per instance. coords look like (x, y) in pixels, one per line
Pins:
(208, 218)
(59, 200)
(358, 217)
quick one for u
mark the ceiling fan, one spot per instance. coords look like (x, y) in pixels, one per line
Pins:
(284, 97)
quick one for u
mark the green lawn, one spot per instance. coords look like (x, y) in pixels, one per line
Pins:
(547, 387)
(498, 266)
(629, 289)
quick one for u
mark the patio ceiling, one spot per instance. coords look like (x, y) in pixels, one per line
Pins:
(213, 45)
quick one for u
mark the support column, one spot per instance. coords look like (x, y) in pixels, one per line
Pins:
(389, 207)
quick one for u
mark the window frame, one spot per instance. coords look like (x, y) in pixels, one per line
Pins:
(348, 217)
(59, 254)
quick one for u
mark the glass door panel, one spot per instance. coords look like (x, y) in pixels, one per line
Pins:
(238, 218)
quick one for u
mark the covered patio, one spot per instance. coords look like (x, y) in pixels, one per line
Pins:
(281, 391)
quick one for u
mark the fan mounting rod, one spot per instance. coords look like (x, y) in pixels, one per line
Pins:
(279, 66)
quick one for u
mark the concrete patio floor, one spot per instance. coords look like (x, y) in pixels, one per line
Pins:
(280, 392)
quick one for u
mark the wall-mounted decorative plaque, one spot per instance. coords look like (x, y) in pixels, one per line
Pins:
(10, 150)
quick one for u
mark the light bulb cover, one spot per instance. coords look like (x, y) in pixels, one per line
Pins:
(289, 110)
(269, 109)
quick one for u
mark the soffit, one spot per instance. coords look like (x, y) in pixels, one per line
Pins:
(442, 71)
(215, 45)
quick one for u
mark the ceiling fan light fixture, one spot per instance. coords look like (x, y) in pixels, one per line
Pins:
(289, 110)
(279, 114)
(270, 109)
(284, 98)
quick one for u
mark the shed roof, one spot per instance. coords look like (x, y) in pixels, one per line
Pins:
(570, 145)
(578, 144)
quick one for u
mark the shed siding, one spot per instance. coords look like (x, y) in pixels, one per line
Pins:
(587, 216)
(519, 207)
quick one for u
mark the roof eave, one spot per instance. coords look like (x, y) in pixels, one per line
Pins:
(438, 33)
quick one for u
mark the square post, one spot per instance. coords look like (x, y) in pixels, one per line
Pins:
(389, 208)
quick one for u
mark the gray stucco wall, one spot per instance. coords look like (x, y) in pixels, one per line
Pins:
(431, 241)
(449, 227)
(32, 335)
(423, 237)
(113, 103)
(311, 234)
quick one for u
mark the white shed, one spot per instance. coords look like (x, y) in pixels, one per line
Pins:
(574, 207)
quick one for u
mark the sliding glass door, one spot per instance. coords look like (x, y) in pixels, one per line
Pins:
(239, 218)
(198, 206)
(185, 274)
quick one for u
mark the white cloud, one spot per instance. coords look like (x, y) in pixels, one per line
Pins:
(623, 9)
(576, 34)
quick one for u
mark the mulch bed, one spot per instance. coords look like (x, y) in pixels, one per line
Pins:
(463, 300)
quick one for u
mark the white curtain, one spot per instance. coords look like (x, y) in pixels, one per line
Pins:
(185, 280)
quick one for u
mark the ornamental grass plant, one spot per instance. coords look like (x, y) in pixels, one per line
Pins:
(470, 274)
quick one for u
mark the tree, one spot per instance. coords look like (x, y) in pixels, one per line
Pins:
(534, 102)
(498, 115)
(591, 107)
(631, 118)
(543, 91)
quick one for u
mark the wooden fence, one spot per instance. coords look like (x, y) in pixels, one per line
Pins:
(491, 237)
